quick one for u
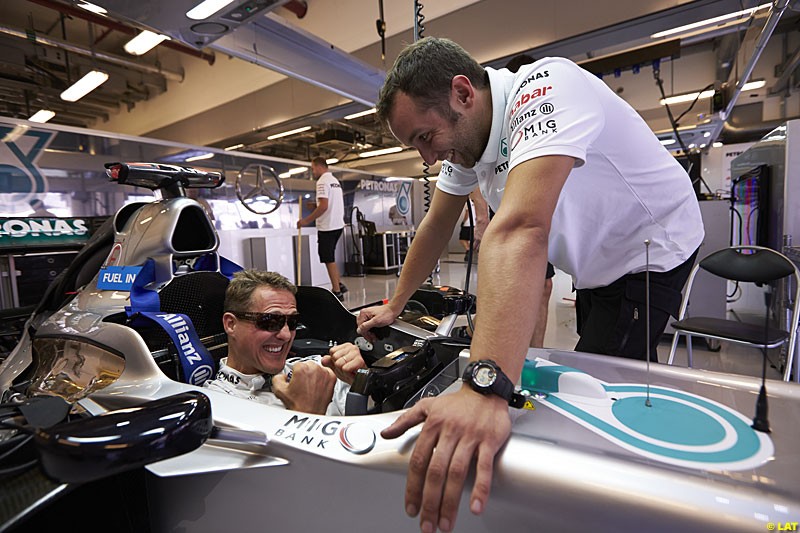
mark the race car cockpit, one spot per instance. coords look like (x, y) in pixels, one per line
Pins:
(160, 259)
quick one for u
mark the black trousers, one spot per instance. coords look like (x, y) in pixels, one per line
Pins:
(612, 320)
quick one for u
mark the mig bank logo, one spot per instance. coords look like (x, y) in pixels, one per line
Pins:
(20, 148)
(504, 147)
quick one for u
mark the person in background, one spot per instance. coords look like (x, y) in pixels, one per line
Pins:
(573, 174)
(480, 214)
(260, 320)
(329, 215)
(39, 209)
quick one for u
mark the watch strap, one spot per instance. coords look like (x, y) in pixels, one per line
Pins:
(502, 386)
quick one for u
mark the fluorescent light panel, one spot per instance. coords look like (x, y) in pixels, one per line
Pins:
(42, 116)
(84, 86)
(383, 151)
(144, 42)
(234, 147)
(708, 22)
(287, 133)
(205, 9)
(92, 8)
(332, 160)
(689, 97)
(208, 155)
(297, 170)
(360, 114)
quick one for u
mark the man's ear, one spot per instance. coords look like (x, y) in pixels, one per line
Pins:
(462, 93)
(228, 321)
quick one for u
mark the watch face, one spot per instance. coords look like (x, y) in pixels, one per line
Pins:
(484, 376)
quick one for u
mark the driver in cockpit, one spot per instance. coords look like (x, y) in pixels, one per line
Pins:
(260, 320)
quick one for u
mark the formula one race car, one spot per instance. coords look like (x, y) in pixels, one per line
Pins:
(602, 443)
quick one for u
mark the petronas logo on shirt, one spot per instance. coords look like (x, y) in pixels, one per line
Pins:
(504, 147)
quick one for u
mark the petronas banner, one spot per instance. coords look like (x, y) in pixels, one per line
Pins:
(15, 232)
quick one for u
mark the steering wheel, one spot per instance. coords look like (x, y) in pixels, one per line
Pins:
(259, 188)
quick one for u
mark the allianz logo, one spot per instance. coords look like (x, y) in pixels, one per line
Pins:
(45, 227)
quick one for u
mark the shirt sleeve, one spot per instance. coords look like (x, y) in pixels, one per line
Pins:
(553, 111)
(336, 407)
(456, 180)
(323, 188)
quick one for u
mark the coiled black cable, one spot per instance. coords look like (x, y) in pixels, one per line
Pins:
(419, 21)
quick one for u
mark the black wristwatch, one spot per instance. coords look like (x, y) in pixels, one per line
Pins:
(485, 376)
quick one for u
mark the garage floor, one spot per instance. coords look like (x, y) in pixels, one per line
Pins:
(561, 319)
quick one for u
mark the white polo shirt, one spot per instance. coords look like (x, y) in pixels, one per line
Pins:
(625, 186)
(333, 217)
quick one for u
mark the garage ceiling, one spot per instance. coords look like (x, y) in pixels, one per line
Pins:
(262, 67)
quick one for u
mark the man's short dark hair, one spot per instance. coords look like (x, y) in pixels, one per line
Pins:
(424, 71)
(245, 282)
(320, 161)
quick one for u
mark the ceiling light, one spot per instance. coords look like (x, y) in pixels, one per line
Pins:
(84, 86)
(709, 22)
(717, 144)
(332, 160)
(284, 175)
(234, 147)
(690, 97)
(207, 155)
(287, 133)
(398, 178)
(297, 170)
(43, 115)
(667, 142)
(144, 42)
(91, 7)
(206, 9)
(360, 114)
(753, 85)
(383, 151)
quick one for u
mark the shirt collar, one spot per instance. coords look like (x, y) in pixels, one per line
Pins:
(241, 381)
(500, 82)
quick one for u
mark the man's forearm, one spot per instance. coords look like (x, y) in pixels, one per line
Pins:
(512, 269)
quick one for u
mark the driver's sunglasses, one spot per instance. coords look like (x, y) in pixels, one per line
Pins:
(269, 321)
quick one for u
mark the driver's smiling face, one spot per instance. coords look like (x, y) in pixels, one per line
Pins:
(254, 351)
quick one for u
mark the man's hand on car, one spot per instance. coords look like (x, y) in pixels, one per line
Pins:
(458, 428)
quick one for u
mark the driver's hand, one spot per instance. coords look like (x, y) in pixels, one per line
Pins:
(345, 360)
(310, 389)
(374, 317)
(299, 224)
(458, 428)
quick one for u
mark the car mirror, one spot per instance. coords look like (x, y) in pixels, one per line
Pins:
(88, 449)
